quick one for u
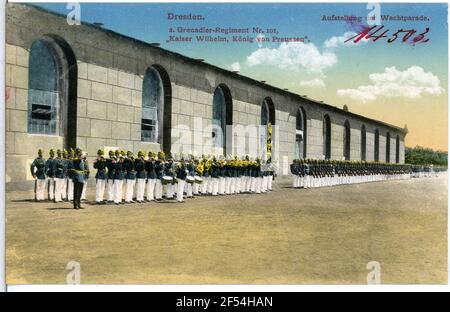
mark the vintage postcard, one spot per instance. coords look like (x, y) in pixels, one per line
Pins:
(226, 143)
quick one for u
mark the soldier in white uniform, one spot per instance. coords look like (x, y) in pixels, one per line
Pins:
(100, 177)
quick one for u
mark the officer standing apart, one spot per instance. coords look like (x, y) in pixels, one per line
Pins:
(78, 169)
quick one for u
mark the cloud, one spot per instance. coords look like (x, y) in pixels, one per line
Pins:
(235, 66)
(260, 41)
(295, 56)
(336, 41)
(300, 55)
(411, 83)
(313, 83)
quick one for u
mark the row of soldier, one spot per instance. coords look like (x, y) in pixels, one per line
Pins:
(426, 171)
(310, 173)
(123, 178)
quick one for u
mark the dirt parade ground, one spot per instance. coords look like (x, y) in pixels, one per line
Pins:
(290, 236)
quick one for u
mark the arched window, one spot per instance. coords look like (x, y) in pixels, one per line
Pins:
(152, 107)
(300, 137)
(397, 150)
(347, 140)
(44, 89)
(268, 121)
(218, 118)
(363, 142)
(376, 156)
(388, 147)
(327, 137)
(52, 89)
(221, 117)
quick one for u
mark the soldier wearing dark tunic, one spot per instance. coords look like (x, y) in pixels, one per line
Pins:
(141, 176)
(50, 173)
(151, 176)
(110, 176)
(79, 170)
(100, 177)
(38, 173)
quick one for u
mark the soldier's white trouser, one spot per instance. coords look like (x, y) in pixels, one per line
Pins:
(129, 190)
(238, 187)
(253, 185)
(83, 194)
(221, 186)
(258, 185)
(170, 190)
(233, 186)
(140, 189)
(151, 189)
(51, 188)
(296, 181)
(158, 189)
(215, 186)
(40, 189)
(69, 190)
(211, 185)
(271, 182)
(118, 191)
(189, 189)
(59, 184)
(124, 189)
(180, 190)
(204, 186)
(245, 187)
(100, 190)
(195, 188)
(64, 189)
(110, 189)
(264, 184)
(228, 185)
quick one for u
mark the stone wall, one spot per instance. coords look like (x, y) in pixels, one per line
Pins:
(110, 71)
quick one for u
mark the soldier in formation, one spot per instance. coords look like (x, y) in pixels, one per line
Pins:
(427, 171)
(100, 177)
(319, 173)
(159, 176)
(38, 173)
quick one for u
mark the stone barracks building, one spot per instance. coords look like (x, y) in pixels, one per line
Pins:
(89, 87)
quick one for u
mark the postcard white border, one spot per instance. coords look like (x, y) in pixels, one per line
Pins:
(179, 288)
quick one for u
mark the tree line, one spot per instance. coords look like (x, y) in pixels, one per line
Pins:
(425, 156)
